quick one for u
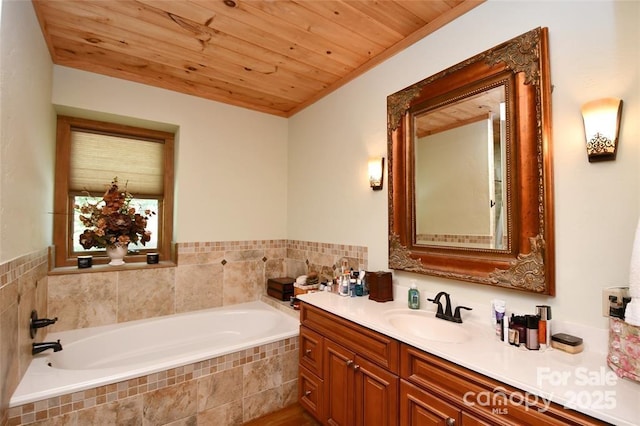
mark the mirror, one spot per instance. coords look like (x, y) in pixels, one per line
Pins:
(465, 139)
(470, 176)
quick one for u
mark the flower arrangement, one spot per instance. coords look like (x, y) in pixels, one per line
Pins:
(113, 221)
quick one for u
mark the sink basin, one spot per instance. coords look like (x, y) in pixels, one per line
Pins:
(425, 325)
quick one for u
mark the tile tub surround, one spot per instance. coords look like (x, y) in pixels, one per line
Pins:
(206, 392)
(23, 287)
(207, 275)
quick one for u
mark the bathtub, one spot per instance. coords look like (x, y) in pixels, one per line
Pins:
(97, 356)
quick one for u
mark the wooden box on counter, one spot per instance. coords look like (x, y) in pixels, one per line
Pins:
(380, 286)
(280, 288)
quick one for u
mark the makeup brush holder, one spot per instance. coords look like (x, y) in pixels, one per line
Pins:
(624, 347)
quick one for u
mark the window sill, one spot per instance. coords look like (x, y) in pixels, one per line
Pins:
(70, 270)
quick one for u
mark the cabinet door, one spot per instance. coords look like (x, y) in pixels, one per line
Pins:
(419, 408)
(376, 394)
(338, 384)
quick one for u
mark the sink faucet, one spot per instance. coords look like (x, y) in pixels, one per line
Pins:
(40, 347)
(447, 310)
(445, 313)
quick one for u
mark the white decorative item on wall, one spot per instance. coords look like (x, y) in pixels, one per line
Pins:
(601, 127)
(376, 173)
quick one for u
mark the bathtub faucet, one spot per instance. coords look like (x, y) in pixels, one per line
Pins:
(35, 323)
(40, 347)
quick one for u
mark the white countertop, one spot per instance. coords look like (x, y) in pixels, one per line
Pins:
(582, 381)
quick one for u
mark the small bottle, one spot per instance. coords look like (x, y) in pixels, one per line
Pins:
(499, 307)
(344, 285)
(365, 286)
(513, 333)
(520, 324)
(544, 325)
(532, 332)
(414, 296)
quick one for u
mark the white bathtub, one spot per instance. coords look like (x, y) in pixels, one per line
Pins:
(103, 355)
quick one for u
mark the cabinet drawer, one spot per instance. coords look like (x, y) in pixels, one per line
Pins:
(419, 408)
(311, 350)
(310, 393)
(479, 394)
(374, 346)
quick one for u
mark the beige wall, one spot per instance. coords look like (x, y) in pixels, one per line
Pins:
(452, 167)
(231, 163)
(594, 53)
(27, 129)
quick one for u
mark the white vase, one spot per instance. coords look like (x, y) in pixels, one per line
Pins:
(117, 253)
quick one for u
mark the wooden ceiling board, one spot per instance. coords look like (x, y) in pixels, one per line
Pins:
(283, 33)
(326, 28)
(249, 55)
(128, 68)
(347, 16)
(275, 57)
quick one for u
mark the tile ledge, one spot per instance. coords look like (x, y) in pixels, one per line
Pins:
(70, 270)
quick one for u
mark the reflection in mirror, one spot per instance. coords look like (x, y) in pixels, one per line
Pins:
(459, 151)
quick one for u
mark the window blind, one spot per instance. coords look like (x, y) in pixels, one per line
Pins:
(97, 158)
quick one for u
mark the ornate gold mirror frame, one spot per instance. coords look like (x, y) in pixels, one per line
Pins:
(527, 262)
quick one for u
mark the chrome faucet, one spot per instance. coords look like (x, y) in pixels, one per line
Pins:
(446, 313)
(43, 346)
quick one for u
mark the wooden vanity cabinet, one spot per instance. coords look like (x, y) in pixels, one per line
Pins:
(434, 391)
(351, 375)
(358, 372)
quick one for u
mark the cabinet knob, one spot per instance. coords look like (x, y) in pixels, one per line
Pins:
(307, 393)
(349, 362)
(356, 367)
(307, 352)
(450, 421)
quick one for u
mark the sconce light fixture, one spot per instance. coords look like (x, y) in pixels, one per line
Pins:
(376, 172)
(601, 127)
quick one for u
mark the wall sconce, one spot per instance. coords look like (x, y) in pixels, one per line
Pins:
(376, 173)
(601, 127)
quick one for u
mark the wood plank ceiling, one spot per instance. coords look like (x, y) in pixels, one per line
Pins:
(274, 56)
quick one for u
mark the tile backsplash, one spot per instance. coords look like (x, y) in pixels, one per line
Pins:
(207, 275)
(23, 287)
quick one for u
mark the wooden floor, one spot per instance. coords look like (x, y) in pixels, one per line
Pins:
(293, 415)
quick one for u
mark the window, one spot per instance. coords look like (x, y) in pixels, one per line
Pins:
(89, 155)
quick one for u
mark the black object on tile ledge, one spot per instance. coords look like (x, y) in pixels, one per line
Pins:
(85, 262)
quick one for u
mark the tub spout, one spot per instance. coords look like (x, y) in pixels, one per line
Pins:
(40, 347)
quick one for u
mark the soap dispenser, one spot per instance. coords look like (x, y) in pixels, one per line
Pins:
(414, 296)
